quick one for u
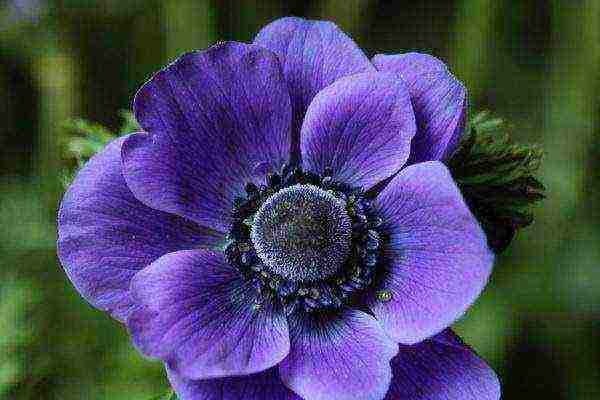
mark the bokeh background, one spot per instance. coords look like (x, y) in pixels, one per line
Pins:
(535, 62)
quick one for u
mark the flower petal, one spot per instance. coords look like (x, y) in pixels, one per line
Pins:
(200, 315)
(211, 118)
(439, 100)
(105, 235)
(442, 368)
(313, 54)
(361, 127)
(343, 357)
(265, 385)
(435, 251)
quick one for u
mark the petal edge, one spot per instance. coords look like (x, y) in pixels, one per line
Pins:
(313, 54)
(211, 117)
(439, 100)
(343, 358)
(442, 368)
(199, 315)
(436, 254)
(105, 235)
(360, 127)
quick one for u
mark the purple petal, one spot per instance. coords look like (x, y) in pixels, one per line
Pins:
(342, 358)
(211, 118)
(105, 235)
(262, 386)
(439, 100)
(436, 253)
(313, 54)
(361, 127)
(442, 368)
(200, 315)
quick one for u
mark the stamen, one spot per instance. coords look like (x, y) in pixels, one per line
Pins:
(305, 240)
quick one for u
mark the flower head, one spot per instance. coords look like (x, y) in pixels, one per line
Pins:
(284, 228)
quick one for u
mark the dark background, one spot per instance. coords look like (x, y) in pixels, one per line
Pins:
(534, 62)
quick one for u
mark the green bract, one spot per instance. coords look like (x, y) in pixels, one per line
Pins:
(497, 178)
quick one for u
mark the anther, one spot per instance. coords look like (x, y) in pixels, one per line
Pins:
(372, 240)
(327, 181)
(251, 189)
(273, 179)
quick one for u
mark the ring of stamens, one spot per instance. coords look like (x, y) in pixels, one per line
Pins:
(305, 240)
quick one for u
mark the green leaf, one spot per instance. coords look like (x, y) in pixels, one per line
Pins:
(129, 123)
(170, 395)
(497, 178)
(83, 139)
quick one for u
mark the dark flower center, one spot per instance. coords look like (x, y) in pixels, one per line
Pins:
(305, 241)
(302, 233)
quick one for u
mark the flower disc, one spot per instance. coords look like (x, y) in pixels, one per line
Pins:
(302, 233)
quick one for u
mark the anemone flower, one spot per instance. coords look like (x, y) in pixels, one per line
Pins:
(284, 226)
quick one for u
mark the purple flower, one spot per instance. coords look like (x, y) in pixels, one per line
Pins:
(239, 239)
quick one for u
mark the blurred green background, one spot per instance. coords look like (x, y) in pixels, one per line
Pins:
(534, 62)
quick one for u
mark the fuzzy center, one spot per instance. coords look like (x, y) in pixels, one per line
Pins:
(302, 233)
